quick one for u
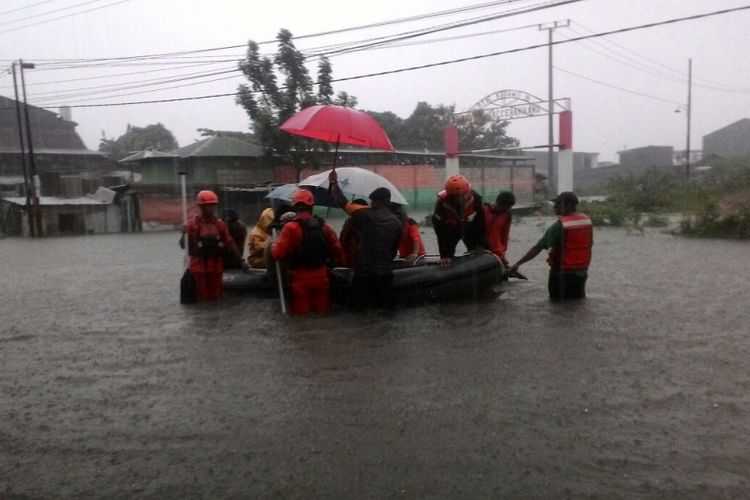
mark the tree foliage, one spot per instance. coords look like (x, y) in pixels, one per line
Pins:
(245, 136)
(424, 129)
(135, 139)
(269, 103)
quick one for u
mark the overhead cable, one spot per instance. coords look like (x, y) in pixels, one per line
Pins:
(454, 61)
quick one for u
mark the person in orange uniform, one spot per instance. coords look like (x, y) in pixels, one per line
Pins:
(307, 244)
(458, 216)
(569, 240)
(410, 246)
(497, 224)
(208, 240)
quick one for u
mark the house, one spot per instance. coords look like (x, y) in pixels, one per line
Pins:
(213, 163)
(732, 141)
(71, 197)
(58, 149)
(647, 156)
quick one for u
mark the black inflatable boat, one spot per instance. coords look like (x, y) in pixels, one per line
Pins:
(468, 277)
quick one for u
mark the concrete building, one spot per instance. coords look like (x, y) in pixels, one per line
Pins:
(647, 156)
(732, 141)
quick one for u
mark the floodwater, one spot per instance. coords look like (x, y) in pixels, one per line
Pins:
(109, 388)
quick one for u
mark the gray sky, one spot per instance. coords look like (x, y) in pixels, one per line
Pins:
(624, 88)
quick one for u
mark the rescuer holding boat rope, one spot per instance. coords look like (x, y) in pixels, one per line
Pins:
(569, 240)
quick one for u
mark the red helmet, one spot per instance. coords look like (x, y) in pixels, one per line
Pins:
(303, 196)
(457, 185)
(207, 198)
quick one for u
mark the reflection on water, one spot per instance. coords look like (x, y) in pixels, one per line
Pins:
(110, 388)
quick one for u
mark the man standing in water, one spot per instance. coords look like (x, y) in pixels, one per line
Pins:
(307, 244)
(381, 234)
(497, 224)
(569, 240)
(208, 240)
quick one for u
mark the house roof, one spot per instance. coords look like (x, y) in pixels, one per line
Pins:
(219, 145)
(743, 121)
(56, 201)
(103, 196)
(49, 131)
(53, 151)
(145, 154)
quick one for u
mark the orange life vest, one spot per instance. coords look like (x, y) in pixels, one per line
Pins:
(576, 243)
(450, 216)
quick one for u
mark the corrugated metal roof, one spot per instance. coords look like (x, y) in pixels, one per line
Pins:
(52, 201)
(145, 154)
(219, 145)
(47, 151)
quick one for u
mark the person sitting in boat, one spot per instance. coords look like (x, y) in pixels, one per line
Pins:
(350, 238)
(259, 236)
(497, 224)
(458, 216)
(238, 232)
(569, 240)
(381, 234)
(208, 240)
(410, 246)
(306, 244)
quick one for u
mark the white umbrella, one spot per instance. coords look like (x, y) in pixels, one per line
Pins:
(355, 181)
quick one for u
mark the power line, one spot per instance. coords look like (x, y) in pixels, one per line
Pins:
(618, 88)
(114, 75)
(665, 76)
(453, 61)
(310, 35)
(25, 7)
(432, 29)
(57, 94)
(714, 84)
(460, 24)
(174, 80)
(64, 16)
(42, 14)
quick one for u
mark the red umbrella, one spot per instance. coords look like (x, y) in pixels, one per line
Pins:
(338, 124)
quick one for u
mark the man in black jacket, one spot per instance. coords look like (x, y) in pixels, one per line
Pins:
(381, 233)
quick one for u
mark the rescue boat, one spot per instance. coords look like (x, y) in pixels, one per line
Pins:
(468, 277)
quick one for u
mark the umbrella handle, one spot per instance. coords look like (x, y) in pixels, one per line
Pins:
(336, 154)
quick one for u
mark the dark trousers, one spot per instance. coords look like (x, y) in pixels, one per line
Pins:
(371, 290)
(566, 286)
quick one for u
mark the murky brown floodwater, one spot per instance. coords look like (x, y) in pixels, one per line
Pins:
(110, 389)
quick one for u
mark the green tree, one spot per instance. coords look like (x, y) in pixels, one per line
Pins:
(135, 139)
(424, 129)
(391, 123)
(269, 104)
(325, 76)
(478, 130)
(245, 136)
(345, 99)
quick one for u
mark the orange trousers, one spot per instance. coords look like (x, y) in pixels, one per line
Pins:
(310, 291)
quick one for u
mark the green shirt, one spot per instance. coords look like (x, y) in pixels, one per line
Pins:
(553, 238)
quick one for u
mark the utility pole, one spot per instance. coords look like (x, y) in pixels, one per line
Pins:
(689, 99)
(551, 148)
(32, 162)
(27, 187)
